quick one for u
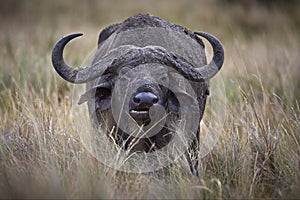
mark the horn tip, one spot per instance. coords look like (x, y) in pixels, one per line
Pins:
(74, 35)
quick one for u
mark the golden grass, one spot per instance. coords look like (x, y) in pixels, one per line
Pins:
(256, 156)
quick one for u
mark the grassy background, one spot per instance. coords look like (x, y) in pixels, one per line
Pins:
(258, 152)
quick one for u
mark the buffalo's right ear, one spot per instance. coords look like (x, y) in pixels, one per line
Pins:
(88, 95)
(103, 98)
(100, 94)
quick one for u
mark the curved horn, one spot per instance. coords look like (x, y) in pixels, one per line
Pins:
(65, 71)
(158, 54)
(217, 61)
(132, 56)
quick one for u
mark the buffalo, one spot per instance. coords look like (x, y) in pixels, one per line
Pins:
(142, 58)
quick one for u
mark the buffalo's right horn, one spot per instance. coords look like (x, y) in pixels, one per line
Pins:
(65, 71)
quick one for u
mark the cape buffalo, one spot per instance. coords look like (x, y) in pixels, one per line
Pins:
(146, 53)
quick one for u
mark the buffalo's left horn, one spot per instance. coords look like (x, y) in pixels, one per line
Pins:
(137, 55)
(216, 63)
(64, 70)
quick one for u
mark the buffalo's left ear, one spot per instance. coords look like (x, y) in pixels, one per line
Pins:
(173, 104)
(179, 95)
(179, 98)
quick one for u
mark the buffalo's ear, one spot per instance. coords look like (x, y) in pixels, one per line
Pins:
(173, 104)
(102, 98)
(100, 95)
(178, 97)
(87, 96)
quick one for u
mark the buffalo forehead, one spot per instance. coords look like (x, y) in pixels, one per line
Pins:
(173, 41)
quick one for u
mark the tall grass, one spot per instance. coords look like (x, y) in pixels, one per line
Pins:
(258, 151)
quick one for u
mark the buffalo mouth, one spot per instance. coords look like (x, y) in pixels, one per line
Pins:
(140, 116)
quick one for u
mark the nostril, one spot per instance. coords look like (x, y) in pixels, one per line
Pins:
(136, 99)
(155, 100)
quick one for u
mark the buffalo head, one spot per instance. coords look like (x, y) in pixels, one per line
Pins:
(135, 74)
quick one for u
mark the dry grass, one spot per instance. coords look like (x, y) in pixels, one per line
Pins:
(256, 156)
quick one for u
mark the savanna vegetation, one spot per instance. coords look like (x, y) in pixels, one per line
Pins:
(257, 154)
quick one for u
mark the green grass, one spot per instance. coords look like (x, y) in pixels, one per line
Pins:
(258, 151)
